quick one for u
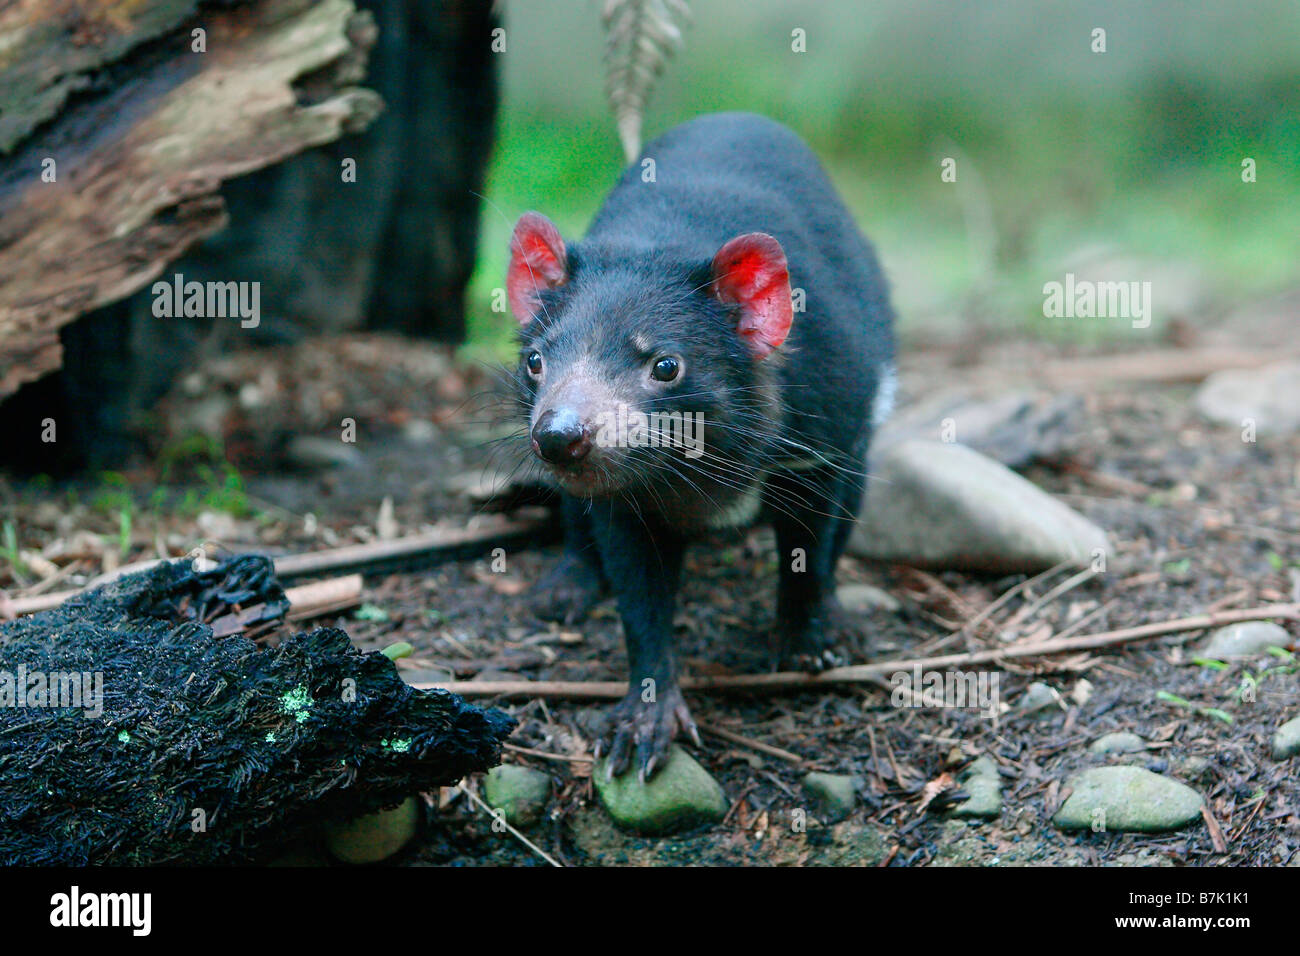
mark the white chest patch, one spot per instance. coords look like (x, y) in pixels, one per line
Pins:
(886, 390)
(741, 511)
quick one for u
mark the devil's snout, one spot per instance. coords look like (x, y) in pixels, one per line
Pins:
(561, 437)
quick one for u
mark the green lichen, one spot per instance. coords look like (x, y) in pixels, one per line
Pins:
(397, 746)
(298, 703)
(123, 736)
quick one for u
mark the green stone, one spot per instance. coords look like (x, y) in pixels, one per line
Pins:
(376, 836)
(833, 794)
(680, 796)
(520, 793)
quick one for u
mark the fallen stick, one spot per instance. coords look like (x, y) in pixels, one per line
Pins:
(323, 597)
(11, 608)
(1157, 365)
(732, 737)
(1033, 607)
(868, 673)
(305, 601)
(969, 627)
(419, 550)
(478, 802)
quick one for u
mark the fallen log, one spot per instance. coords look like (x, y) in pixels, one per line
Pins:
(118, 123)
(159, 724)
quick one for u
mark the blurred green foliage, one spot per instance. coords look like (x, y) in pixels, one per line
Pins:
(1065, 157)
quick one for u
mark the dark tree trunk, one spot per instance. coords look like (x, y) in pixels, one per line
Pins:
(447, 104)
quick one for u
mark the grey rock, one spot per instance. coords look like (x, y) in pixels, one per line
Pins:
(1015, 429)
(1193, 767)
(1121, 742)
(864, 598)
(1127, 799)
(681, 795)
(520, 793)
(943, 506)
(982, 782)
(1039, 699)
(1269, 396)
(833, 795)
(1286, 742)
(1248, 639)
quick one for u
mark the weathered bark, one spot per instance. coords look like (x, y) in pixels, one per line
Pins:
(142, 130)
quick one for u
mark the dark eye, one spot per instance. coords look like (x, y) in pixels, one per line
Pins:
(534, 363)
(666, 369)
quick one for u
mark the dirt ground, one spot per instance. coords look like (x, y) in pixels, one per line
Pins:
(1199, 519)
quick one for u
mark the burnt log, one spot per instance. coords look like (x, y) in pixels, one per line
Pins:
(125, 722)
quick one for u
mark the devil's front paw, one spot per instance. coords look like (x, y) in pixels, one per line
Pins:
(815, 642)
(641, 731)
(568, 592)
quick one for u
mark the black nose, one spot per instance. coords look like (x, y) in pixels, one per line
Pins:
(560, 438)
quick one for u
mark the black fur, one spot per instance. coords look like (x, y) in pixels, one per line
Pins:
(642, 273)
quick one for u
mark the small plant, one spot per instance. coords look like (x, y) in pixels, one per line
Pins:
(114, 493)
(10, 550)
(187, 451)
(124, 532)
(1177, 701)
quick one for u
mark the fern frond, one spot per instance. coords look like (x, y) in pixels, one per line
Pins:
(640, 37)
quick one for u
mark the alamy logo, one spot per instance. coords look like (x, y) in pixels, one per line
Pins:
(976, 690)
(73, 690)
(75, 908)
(632, 428)
(1084, 299)
(208, 300)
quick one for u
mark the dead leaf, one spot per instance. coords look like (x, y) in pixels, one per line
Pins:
(940, 784)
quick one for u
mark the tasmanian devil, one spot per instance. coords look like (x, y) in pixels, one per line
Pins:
(719, 345)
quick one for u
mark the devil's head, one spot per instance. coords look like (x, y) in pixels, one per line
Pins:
(629, 358)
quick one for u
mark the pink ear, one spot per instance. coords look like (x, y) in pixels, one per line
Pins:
(536, 263)
(750, 271)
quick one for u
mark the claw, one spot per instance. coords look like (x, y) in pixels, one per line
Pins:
(695, 734)
(643, 732)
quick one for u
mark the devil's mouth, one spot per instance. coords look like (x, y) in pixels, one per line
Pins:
(584, 481)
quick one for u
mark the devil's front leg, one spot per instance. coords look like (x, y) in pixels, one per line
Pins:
(812, 514)
(643, 566)
(576, 583)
